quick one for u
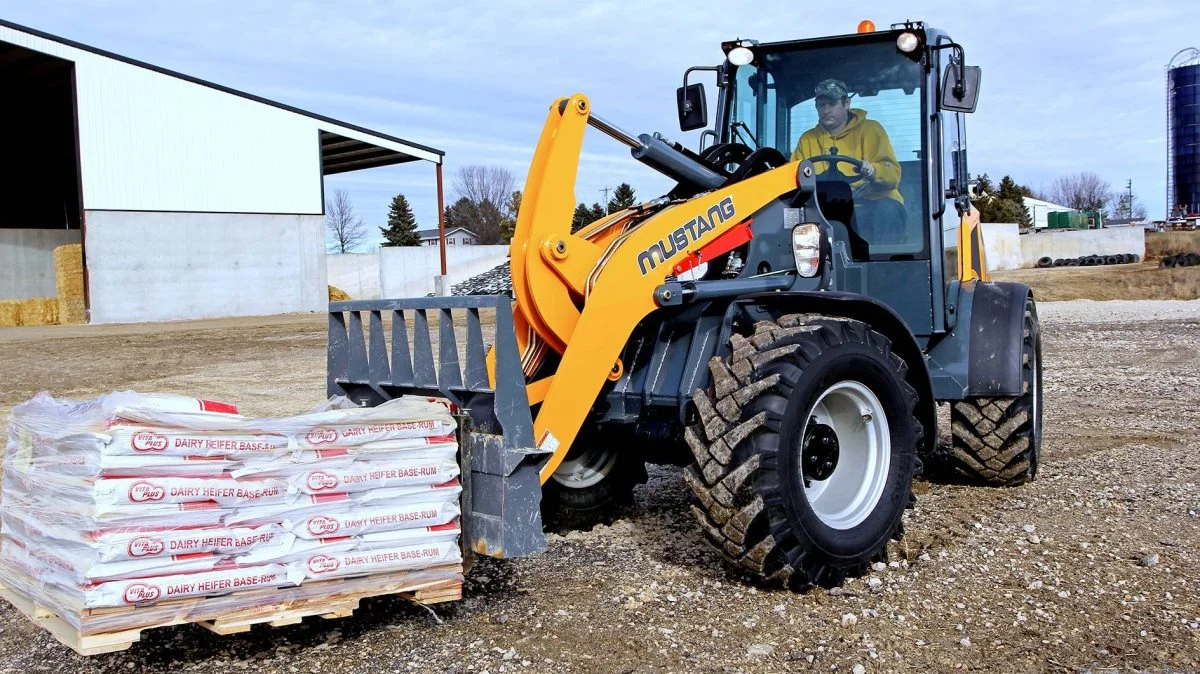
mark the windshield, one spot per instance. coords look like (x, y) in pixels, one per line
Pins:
(860, 101)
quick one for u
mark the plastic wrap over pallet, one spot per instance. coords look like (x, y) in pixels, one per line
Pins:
(135, 499)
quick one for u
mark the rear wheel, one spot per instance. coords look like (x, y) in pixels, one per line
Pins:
(999, 440)
(805, 450)
(593, 480)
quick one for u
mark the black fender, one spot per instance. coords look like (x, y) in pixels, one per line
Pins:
(994, 345)
(881, 318)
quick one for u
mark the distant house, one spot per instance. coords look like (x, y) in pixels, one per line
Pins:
(459, 236)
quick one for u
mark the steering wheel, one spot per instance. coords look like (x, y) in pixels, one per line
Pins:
(856, 163)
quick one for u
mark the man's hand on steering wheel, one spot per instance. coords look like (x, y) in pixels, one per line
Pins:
(865, 170)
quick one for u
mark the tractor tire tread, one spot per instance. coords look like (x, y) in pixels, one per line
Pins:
(993, 438)
(736, 488)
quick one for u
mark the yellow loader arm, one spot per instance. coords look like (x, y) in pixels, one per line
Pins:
(581, 295)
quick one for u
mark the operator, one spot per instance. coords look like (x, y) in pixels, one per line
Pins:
(840, 129)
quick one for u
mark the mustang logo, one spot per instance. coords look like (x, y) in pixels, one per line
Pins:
(678, 240)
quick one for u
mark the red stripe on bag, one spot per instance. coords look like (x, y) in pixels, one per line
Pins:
(220, 408)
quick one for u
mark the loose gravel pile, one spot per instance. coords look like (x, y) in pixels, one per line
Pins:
(496, 281)
(1096, 565)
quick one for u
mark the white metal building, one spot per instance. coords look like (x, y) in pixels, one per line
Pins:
(1039, 209)
(191, 199)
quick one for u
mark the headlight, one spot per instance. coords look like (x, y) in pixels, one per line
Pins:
(907, 42)
(806, 247)
(740, 56)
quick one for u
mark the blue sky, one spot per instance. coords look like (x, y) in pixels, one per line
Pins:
(1066, 86)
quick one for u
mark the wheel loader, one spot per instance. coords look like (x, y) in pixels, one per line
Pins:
(748, 325)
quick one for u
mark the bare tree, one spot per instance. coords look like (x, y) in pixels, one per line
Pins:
(346, 230)
(1083, 191)
(489, 190)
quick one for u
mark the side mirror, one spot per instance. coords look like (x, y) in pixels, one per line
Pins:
(960, 95)
(693, 107)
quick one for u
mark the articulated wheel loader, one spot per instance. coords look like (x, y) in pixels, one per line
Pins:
(783, 323)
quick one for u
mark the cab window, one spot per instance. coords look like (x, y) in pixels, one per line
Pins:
(775, 104)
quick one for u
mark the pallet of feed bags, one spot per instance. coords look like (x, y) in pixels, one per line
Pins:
(134, 511)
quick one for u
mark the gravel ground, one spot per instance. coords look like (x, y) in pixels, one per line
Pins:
(1092, 567)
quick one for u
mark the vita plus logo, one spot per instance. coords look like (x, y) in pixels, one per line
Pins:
(691, 232)
(319, 564)
(319, 480)
(139, 593)
(144, 492)
(321, 436)
(145, 546)
(322, 525)
(145, 441)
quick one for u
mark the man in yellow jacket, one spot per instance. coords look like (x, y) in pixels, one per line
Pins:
(840, 129)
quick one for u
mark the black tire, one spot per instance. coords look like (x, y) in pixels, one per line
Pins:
(1060, 262)
(1073, 262)
(1166, 262)
(1044, 262)
(1193, 259)
(1112, 259)
(751, 499)
(999, 440)
(565, 507)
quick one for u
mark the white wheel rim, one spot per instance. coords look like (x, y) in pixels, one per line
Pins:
(585, 467)
(850, 493)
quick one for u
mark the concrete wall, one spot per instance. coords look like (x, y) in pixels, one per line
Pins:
(169, 266)
(355, 273)
(27, 261)
(408, 271)
(1081, 242)
(1001, 246)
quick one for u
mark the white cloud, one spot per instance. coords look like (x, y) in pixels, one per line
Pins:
(1066, 86)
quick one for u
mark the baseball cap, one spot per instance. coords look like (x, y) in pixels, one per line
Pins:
(831, 89)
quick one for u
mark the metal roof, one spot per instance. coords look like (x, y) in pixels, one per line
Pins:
(1185, 57)
(344, 146)
(433, 233)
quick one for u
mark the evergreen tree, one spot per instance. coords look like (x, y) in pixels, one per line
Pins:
(508, 226)
(623, 197)
(401, 229)
(1003, 204)
(582, 217)
(1010, 190)
(598, 212)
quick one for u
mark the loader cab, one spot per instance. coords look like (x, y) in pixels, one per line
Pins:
(896, 81)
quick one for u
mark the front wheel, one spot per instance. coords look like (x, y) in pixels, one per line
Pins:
(805, 450)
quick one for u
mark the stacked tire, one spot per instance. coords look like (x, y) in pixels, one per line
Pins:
(1088, 260)
(1180, 260)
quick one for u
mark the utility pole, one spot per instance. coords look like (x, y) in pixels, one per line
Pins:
(1129, 198)
(606, 190)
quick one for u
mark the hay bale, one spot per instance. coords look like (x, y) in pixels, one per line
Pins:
(71, 311)
(10, 313)
(39, 311)
(68, 271)
(337, 294)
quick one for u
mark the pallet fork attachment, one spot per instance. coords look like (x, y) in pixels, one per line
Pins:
(376, 355)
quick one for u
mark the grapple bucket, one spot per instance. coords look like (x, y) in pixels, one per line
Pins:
(383, 349)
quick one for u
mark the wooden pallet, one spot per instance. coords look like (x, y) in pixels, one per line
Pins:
(90, 631)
